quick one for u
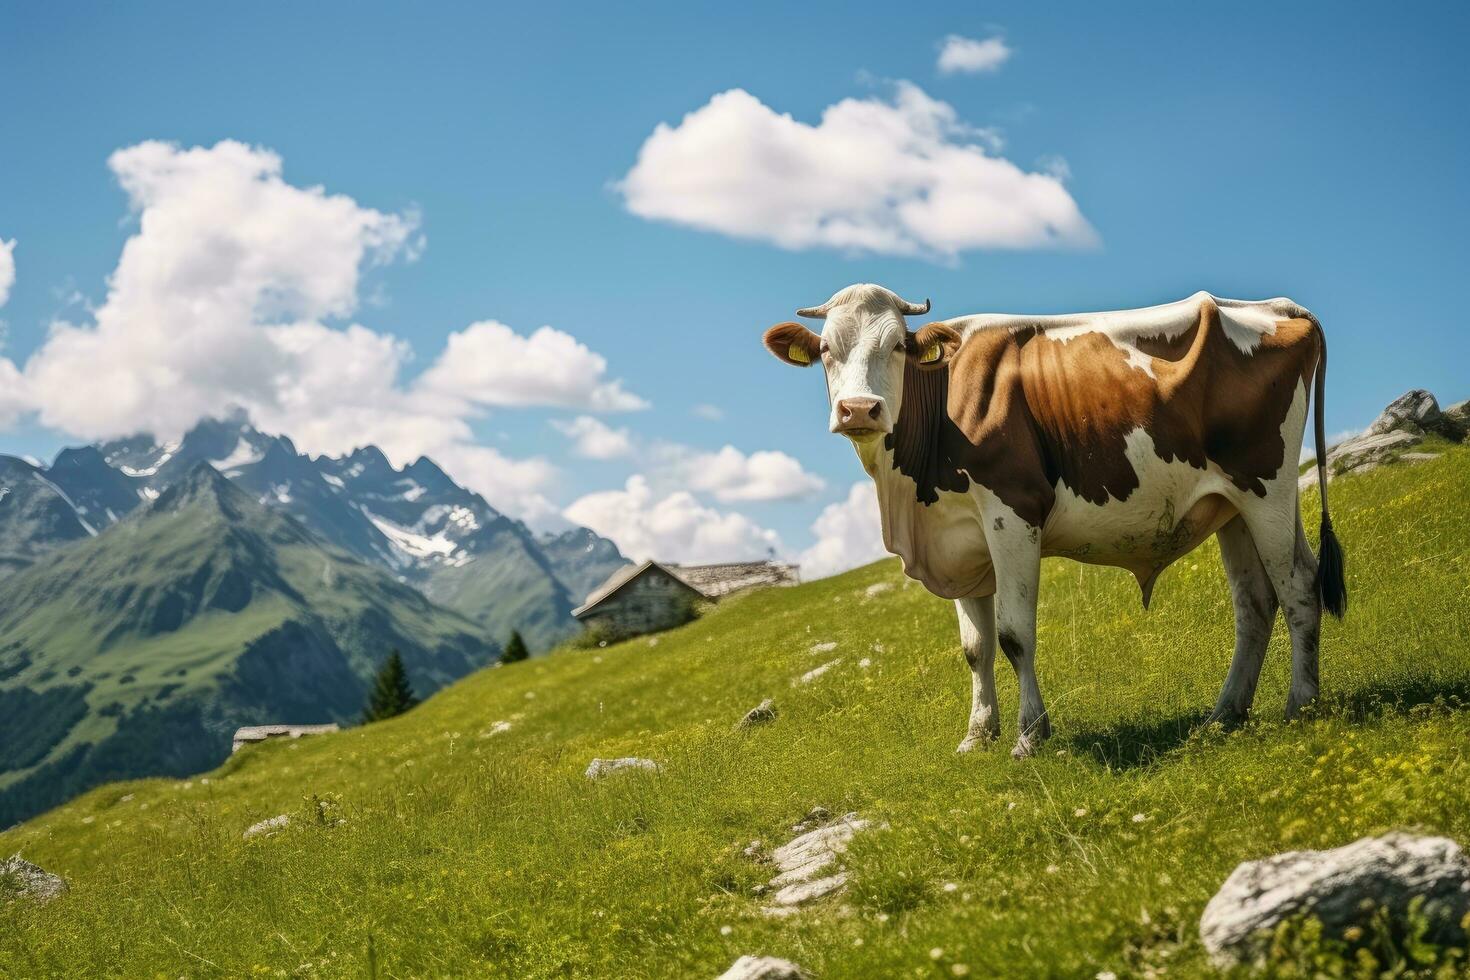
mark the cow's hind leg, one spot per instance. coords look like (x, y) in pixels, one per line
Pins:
(1292, 568)
(977, 638)
(1255, 612)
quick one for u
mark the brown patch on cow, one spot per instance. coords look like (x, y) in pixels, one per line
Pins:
(1210, 401)
(781, 338)
(1020, 412)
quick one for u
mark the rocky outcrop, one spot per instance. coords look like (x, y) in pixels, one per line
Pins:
(20, 878)
(763, 968)
(1400, 427)
(1343, 888)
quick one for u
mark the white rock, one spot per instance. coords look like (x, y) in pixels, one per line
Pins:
(20, 878)
(877, 589)
(268, 827)
(826, 647)
(763, 968)
(816, 672)
(806, 864)
(606, 767)
(498, 728)
(1333, 885)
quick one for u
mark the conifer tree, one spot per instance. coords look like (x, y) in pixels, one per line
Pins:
(515, 649)
(391, 693)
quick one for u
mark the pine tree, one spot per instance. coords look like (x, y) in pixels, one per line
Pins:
(515, 649)
(391, 694)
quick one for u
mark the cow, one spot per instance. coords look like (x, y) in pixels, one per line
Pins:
(1123, 438)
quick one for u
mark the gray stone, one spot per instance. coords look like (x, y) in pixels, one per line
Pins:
(1418, 457)
(1366, 451)
(763, 968)
(802, 892)
(1414, 410)
(760, 714)
(268, 827)
(1340, 887)
(606, 767)
(20, 878)
(1459, 412)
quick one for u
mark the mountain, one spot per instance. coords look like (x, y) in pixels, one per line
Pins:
(474, 845)
(139, 650)
(581, 559)
(416, 523)
(35, 516)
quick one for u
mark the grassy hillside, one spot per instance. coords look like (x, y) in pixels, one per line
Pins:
(465, 853)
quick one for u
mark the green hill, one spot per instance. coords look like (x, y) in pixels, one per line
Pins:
(467, 851)
(140, 650)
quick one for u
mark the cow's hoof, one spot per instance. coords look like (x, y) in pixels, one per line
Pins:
(981, 741)
(1025, 748)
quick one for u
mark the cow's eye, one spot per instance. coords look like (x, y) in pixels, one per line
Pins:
(900, 348)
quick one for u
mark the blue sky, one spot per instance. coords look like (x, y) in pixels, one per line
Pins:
(1311, 150)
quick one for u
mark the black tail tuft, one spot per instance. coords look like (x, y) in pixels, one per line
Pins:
(1331, 571)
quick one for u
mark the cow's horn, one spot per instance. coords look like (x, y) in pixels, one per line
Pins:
(914, 309)
(815, 312)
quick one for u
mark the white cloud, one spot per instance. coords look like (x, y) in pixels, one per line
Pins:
(593, 438)
(676, 527)
(708, 412)
(219, 298)
(7, 269)
(731, 475)
(848, 534)
(969, 56)
(488, 363)
(900, 177)
(14, 398)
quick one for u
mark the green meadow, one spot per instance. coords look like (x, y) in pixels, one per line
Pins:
(433, 845)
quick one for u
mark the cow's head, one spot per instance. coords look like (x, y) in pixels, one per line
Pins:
(863, 348)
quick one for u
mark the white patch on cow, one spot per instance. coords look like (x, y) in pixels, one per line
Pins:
(941, 545)
(1244, 322)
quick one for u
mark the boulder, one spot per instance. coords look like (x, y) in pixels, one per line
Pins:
(1342, 888)
(760, 714)
(20, 878)
(606, 767)
(1459, 413)
(1417, 411)
(763, 968)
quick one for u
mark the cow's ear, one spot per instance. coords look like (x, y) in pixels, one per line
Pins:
(794, 344)
(933, 345)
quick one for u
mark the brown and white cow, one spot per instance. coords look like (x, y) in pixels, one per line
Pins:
(1122, 438)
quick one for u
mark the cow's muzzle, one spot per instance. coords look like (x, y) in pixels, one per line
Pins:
(860, 418)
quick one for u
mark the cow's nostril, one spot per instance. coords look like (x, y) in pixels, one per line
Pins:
(875, 411)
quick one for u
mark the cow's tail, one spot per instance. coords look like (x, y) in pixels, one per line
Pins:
(1331, 570)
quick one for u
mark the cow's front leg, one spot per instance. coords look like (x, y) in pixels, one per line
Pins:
(1015, 550)
(977, 638)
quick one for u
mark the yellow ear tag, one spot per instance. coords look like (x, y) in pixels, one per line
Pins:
(932, 353)
(799, 354)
